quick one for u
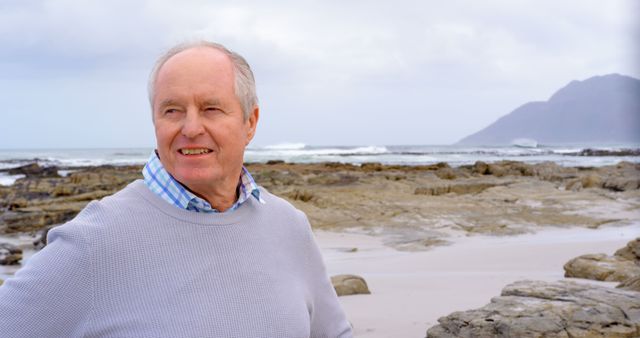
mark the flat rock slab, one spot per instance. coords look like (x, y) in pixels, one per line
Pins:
(542, 309)
(601, 267)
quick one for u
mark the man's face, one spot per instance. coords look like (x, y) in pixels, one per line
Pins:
(200, 129)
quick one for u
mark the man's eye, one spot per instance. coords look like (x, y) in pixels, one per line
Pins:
(170, 111)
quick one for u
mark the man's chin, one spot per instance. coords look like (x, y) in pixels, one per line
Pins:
(196, 180)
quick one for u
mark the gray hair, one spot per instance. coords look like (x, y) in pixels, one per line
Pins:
(244, 84)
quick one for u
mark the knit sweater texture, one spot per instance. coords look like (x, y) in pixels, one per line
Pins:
(131, 265)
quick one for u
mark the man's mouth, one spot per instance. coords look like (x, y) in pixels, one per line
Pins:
(194, 151)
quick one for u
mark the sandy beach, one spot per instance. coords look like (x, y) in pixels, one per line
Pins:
(411, 290)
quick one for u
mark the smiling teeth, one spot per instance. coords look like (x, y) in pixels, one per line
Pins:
(194, 151)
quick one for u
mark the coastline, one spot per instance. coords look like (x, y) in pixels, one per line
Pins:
(414, 207)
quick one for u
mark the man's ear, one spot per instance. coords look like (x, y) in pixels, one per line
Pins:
(252, 122)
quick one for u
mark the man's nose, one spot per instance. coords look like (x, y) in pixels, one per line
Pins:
(192, 126)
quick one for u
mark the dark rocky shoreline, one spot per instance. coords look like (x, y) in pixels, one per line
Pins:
(602, 152)
(337, 196)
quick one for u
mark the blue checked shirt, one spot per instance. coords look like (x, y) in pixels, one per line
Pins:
(164, 185)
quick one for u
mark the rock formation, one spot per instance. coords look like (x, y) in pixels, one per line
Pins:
(631, 251)
(34, 170)
(43, 199)
(602, 267)
(349, 285)
(504, 197)
(564, 309)
(10, 254)
(623, 266)
(561, 309)
(631, 284)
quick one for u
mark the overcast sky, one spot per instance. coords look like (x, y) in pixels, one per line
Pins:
(74, 73)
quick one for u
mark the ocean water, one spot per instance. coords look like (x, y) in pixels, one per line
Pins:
(301, 153)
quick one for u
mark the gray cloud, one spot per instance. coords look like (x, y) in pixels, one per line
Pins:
(328, 72)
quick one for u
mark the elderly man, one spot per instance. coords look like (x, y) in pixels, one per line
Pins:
(196, 249)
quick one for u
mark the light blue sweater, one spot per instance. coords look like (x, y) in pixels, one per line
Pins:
(133, 266)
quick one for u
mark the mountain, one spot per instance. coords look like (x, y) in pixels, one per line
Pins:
(601, 109)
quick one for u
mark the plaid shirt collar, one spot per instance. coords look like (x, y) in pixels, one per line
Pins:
(166, 187)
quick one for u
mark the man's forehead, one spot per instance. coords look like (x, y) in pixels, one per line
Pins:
(199, 73)
(196, 57)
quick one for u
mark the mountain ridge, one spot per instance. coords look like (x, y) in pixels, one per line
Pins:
(604, 108)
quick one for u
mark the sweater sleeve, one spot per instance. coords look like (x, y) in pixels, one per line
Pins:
(51, 295)
(328, 319)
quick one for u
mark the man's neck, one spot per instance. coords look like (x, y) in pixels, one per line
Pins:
(219, 200)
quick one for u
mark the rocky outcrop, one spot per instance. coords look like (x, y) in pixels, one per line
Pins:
(625, 177)
(622, 183)
(601, 267)
(469, 187)
(631, 284)
(584, 181)
(623, 266)
(42, 199)
(606, 152)
(631, 251)
(504, 197)
(541, 309)
(349, 285)
(41, 238)
(561, 309)
(10, 254)
(34, 170)
(502, 168)
(274, 177)
(548, 171)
